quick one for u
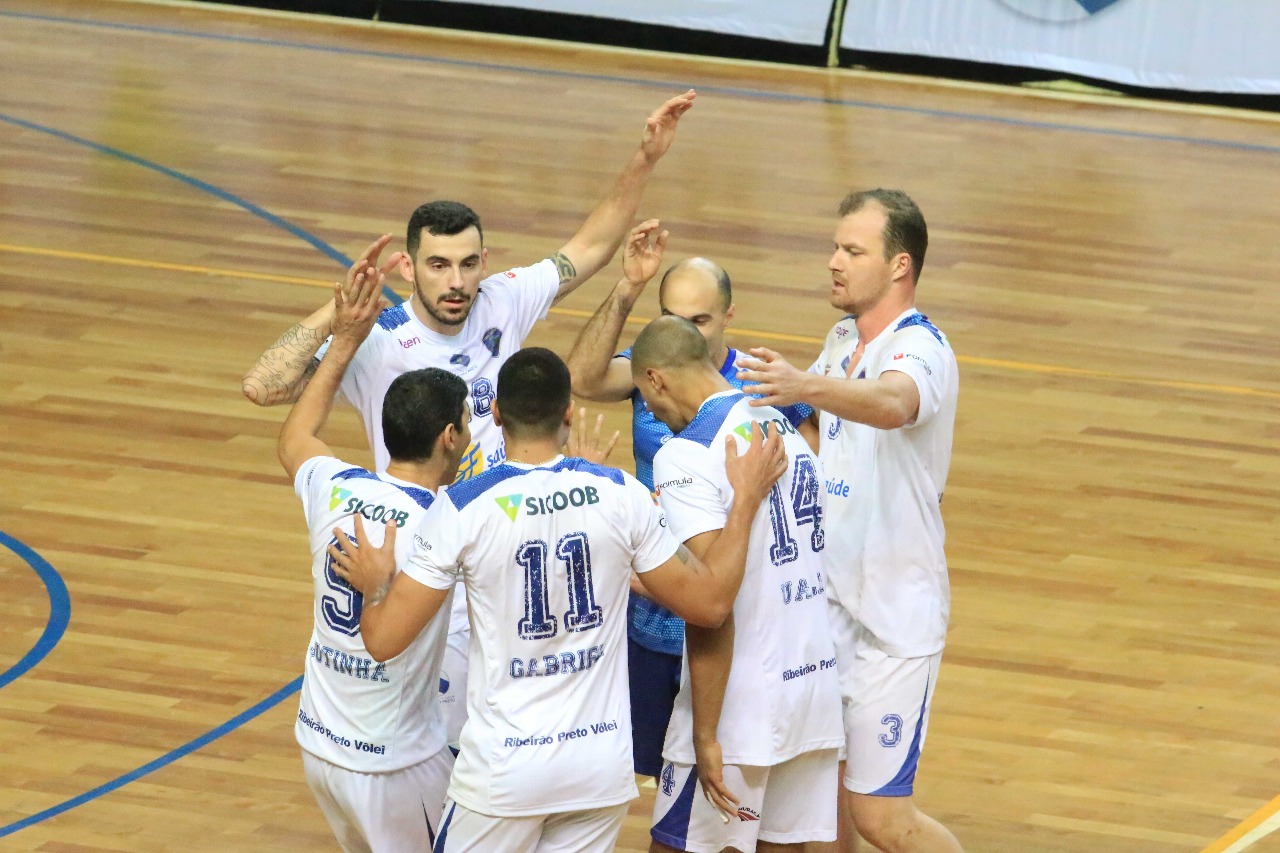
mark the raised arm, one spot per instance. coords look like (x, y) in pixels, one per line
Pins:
(702, 591)
(890, 401)
(598, 239)
(285, 367)
(356, 308)
(597, 375)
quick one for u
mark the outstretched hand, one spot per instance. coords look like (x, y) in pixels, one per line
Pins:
(358, 301)
(753, 473)
(642, 254)
(366, 568)
(774, 378)
(660, 127)
(588, 447)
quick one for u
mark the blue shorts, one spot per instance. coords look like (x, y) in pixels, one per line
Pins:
(655, 681)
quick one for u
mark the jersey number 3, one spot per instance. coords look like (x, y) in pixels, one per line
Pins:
(583, 613)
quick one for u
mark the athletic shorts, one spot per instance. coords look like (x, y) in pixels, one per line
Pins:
(394, 811)
(788, 803)
(655, 680)
(453, 684)
(886, 703)
(586, 831)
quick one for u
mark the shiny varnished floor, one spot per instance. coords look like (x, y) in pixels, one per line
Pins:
(177, 184)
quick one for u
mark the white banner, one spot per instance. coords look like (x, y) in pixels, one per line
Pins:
(796, 21)
(1199, 45)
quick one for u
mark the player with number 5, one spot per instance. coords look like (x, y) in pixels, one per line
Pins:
(546, 546)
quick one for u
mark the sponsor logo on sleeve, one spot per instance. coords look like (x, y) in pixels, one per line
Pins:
(678, 483)
(492, 340)
(915, 357)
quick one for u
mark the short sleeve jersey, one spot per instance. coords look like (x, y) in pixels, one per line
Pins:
(354, 712)
(652, 625)
(782, 698)
(884, 555)
(545, 554)
(506, 307)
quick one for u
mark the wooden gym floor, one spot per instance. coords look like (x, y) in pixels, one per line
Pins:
(178, 185)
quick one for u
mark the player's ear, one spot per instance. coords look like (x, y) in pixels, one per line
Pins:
(497, 415)
(568, 414)
(728, 316)
(484, 261)
(406, 267)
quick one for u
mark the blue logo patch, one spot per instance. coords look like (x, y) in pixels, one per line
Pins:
(1058, 11)
(492, 340)
(460, 359)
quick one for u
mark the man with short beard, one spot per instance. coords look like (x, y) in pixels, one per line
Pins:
(463, 320)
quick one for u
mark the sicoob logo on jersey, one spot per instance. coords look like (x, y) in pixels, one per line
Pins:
(743, 430)
(547, 504)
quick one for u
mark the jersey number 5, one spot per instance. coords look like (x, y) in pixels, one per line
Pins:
(341, 610)
(583, 613)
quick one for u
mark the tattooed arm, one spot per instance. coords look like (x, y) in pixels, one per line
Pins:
(605, 227)
(287, 366)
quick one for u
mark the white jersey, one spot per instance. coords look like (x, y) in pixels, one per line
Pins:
(783, 695)
(546, 554)
(505, 309)
(355, 712)
(884, 554)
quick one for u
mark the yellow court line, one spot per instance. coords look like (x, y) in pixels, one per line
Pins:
(998, 363)
(1244, 827)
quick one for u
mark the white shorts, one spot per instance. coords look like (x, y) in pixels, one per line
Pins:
(585, 831)
(392, 811)
(886, 704)
(453, 684)
(787, 803)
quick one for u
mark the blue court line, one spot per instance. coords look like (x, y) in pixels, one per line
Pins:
(60, 603)
(755, 94)
(59, 609)
(203, 186)
(186, 749)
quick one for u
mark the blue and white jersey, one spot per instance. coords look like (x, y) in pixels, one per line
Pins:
(783, 695)
(652, 625)
(354, 712)
(885, 556)
(546, 554)
(506, 307)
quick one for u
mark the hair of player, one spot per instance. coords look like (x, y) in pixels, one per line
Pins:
(724, 287)
(533, 392)
(904, 227)
(416, 409)
(441, 218)
(670, 343)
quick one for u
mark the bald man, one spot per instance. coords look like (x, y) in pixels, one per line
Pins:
(700, 291)
(756, 725)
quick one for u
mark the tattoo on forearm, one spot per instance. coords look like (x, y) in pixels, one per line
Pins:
(286, 367)
(564, 266)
